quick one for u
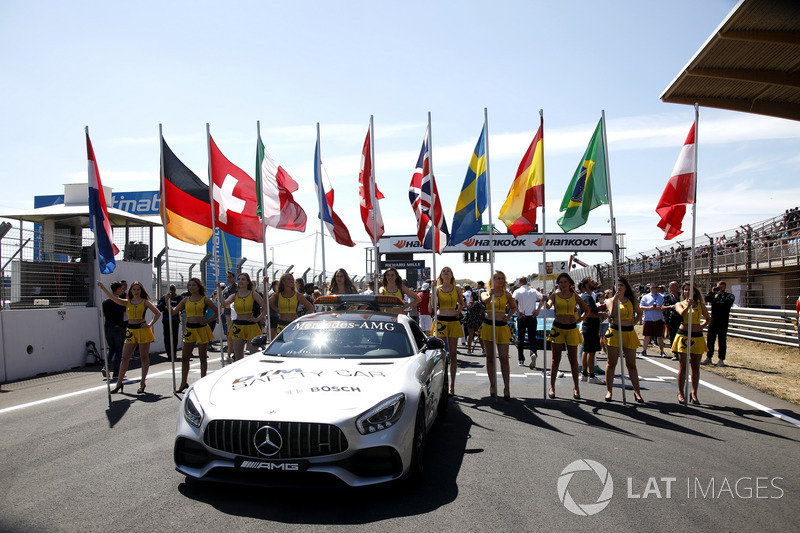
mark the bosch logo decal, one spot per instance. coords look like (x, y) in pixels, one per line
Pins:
(335, 389)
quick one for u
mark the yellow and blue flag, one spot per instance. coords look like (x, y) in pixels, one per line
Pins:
(474, 196)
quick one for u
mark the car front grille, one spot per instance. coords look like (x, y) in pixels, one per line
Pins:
(298, 440)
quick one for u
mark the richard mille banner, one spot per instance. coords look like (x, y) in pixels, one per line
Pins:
(533, 242)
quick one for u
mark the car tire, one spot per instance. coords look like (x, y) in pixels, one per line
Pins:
(417, 470)
(441, 407)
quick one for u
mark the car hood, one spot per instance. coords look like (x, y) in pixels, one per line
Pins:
(299, 389)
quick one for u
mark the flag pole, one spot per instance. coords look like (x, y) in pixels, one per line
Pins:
(260, 188)
(691, 260)
(544, 282)
(101, 316)
(214, 231)
(318, 165)
(167, 304)
(374, 202)
(614, 262)
(495, 355)
(434, 233)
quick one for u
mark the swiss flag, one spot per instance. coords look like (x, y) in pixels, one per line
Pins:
(235, 199)
(680, 190)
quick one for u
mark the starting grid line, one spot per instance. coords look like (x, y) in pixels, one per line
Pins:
(524, 375)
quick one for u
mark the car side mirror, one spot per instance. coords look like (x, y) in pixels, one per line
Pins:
(259, 341)
(434, 343)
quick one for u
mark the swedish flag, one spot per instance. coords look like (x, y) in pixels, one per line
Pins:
(589, 186)
(473, 199)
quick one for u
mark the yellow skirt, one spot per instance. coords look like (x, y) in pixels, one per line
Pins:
(630, 340)
(139, 335)
(568, 336)
(448, 328)
(679, 345)
(502, 332)
(245, 332)
(202, 335)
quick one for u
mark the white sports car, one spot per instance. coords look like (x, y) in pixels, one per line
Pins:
(345, 396)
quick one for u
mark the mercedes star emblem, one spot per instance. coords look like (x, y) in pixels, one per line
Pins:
(267, 441)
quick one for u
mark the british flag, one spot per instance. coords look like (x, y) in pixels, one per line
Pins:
(432, 229)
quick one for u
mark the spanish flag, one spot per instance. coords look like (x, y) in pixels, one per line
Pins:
(527, 191)
(185, 205)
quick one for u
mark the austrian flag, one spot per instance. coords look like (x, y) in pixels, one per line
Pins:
(680, 190)
(235, 200)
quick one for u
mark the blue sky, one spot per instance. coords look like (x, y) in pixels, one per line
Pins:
(122, 69)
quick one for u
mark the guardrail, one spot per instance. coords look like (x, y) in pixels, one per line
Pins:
(775, 326)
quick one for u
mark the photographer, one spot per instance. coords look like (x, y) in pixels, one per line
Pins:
(721, 303)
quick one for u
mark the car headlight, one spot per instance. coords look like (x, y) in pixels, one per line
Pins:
(382, 416)
(192, 411)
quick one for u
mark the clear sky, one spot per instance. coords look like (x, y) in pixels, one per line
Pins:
(123, 68)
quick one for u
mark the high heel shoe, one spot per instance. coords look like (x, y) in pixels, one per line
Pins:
(681, 399)
(576, 396)
(551, 395)
(693, 399)
(608, 398)
(140, 390)
(182, 388)
(117, 389)
(638, 398)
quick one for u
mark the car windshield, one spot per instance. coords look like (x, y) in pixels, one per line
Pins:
(342, 338)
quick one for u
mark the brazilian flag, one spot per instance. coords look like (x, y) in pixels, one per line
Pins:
(589, 186)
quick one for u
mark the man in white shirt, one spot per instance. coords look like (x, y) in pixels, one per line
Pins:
(529, 302)
(653, 325)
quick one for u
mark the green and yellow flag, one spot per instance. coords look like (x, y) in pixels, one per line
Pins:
(589, 186)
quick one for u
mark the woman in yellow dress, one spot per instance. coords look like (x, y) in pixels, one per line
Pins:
(139, 332)
(196, 332)
(501, 335)
(393, 286)
(449, 302)
(622, 306)
(285, 301)
(245, 327)
(681, 344)
(564, 331)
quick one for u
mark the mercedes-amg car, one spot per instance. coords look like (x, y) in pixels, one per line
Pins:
(341, 397)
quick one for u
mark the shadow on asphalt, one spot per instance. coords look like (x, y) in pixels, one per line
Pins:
(121, 402)
(446, 447)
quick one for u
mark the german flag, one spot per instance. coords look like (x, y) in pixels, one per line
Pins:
(185, 207)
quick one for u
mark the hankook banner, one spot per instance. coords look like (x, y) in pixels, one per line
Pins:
(533, 242)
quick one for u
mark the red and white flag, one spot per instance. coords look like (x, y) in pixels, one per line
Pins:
(235, 201)
(371, 215)
(277, 205)
(680, 190)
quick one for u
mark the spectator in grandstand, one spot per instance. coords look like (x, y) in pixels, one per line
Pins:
(690, 341)
(797, 322)
(653, 319)
(721, 303)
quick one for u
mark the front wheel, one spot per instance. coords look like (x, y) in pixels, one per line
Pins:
(417, 469)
